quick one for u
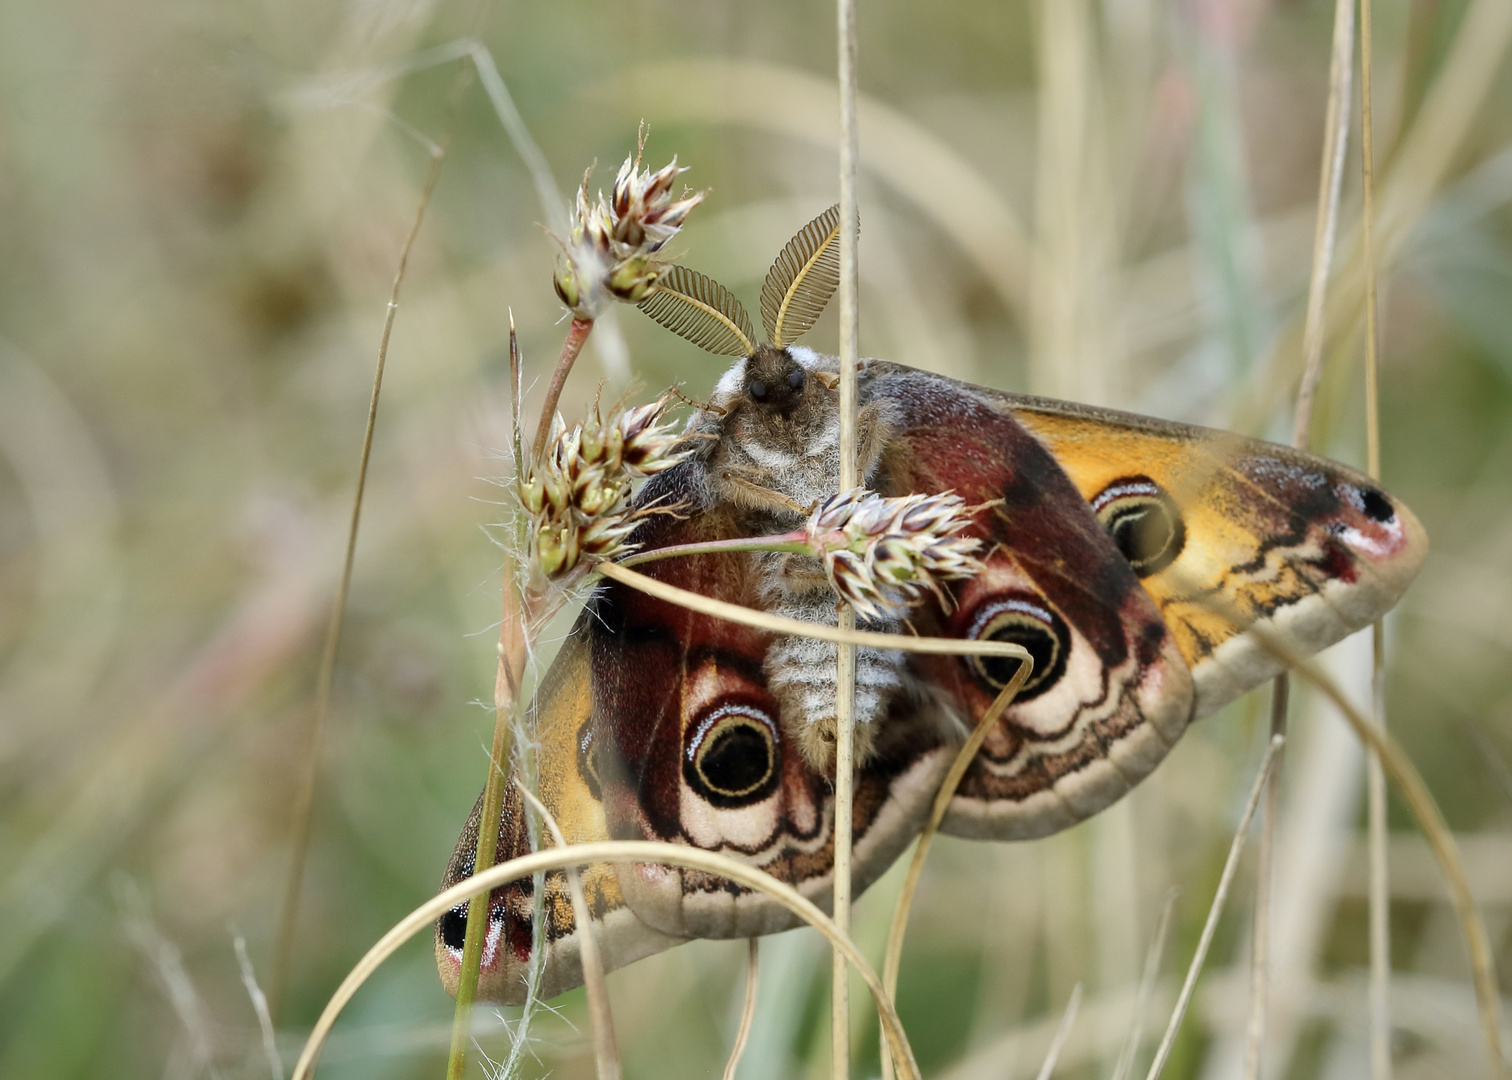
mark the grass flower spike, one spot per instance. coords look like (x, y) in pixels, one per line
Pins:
(578, 497)
(880, 552)
(614, 238)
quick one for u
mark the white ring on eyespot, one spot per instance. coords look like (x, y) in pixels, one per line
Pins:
(997, 607)
(1119, 491)
(749, 712)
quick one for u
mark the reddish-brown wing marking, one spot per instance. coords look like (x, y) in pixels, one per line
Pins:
(1110, 692)
(692, 748)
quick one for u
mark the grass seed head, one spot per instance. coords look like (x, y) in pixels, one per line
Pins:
(578, 497)
(610, 246)
(880, 553)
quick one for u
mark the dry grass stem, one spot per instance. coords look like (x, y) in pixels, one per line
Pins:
(1335, 144)
(1380, 896)
(512, 648)
(605, 1050)
(577, 334)
(304, 799)
(608, 851)
(1325, 237)
(1061, 1033)
(1126, 1056)
(845, 662)
(260, 1007)
(893, 958)
(1231, 864)
(1265, 865)
(748, 1008)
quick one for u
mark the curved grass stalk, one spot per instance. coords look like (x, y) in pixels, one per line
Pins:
(1314, 332)
(1380, 898)
(1215, 909)
(748, 1010)
(964, 756)
(778, 624)
(610, 851)
(1326, 230)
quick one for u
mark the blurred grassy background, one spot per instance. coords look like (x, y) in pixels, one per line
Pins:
(201, 206)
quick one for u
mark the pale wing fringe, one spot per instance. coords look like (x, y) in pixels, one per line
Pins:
(606, 851)
(700, 309)
(802, 279)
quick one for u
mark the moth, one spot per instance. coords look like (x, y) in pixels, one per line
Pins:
(1138, 561)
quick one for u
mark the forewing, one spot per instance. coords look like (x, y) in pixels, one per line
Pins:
(1110, 692)
(1236, 538)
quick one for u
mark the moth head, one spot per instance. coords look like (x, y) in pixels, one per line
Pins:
(777, 384)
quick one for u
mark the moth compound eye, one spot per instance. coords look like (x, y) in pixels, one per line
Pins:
(731, 758)
(1143, 521)
(757, 389)
(1022, 621)
(795, 379)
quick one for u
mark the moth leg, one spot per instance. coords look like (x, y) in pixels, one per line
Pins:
(872, 433)
(756, 496)
(702, 406)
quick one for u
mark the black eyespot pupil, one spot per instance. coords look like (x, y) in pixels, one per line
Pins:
(1142, 532)
(1377, 507)
(1047, 644)
(1144, 523)
(1042, 648)
(737, 760)
(734, 763)
(795, 379)
(454, 927)
(758, 390)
